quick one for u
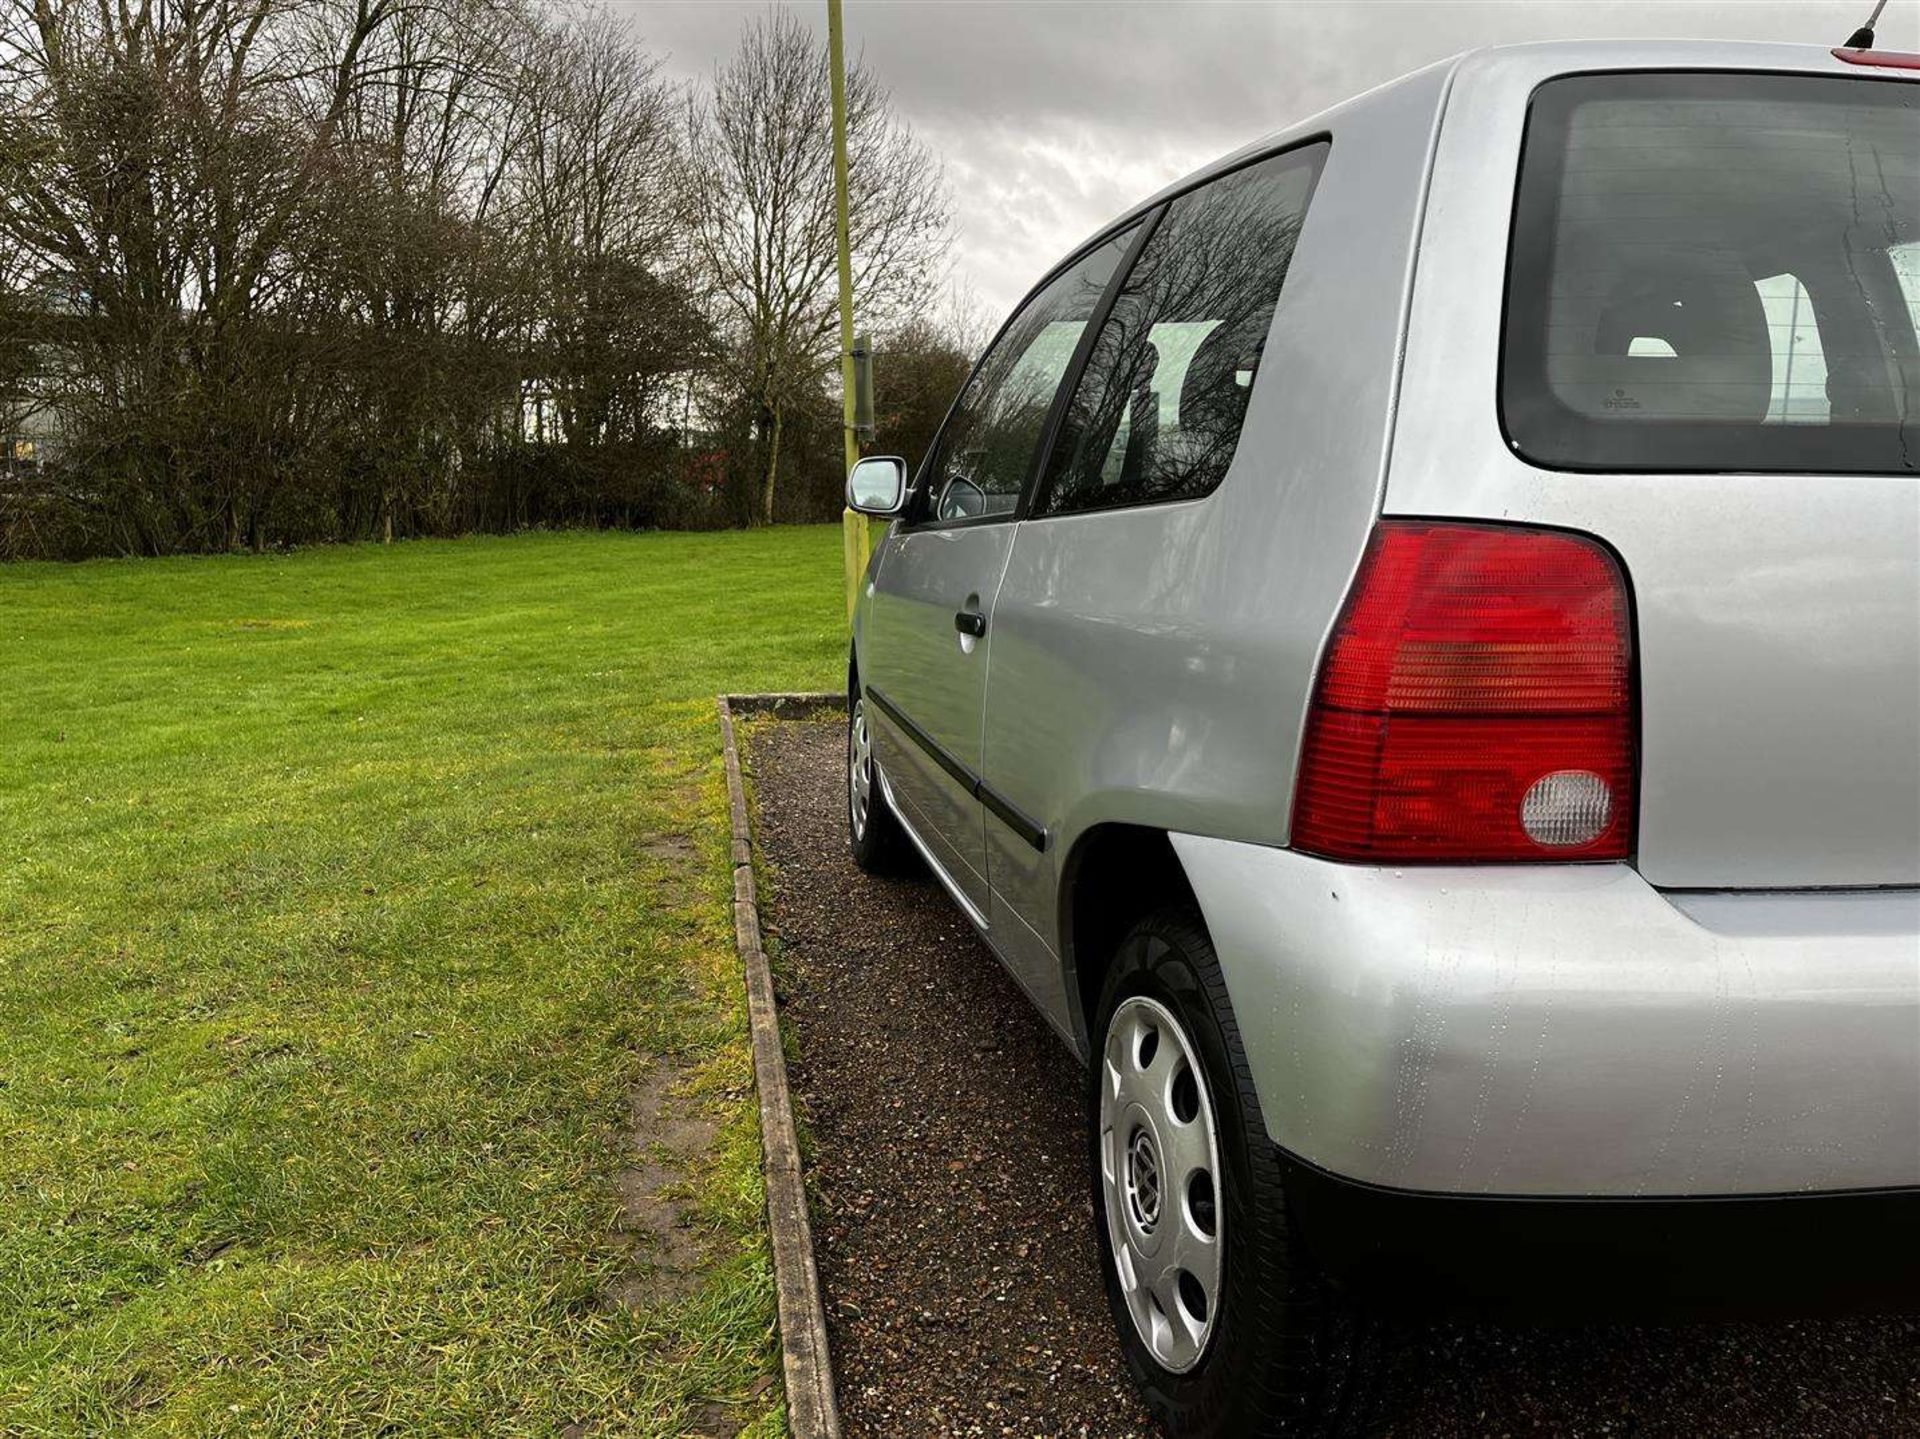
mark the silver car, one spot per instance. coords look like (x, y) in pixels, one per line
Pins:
(1407, 646)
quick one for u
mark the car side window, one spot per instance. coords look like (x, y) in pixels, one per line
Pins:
(1157, 413)
(984, 454)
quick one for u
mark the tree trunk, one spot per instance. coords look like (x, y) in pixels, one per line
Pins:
(773, 470)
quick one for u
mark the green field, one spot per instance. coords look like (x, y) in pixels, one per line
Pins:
(345, 898)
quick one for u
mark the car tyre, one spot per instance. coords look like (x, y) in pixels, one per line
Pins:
(874, 835)
(1237, 1334)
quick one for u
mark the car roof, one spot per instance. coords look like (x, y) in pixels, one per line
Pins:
(1548, 56)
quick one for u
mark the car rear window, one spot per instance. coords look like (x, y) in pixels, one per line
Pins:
(1716, 272)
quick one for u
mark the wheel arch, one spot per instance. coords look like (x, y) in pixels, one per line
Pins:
(1114, 876)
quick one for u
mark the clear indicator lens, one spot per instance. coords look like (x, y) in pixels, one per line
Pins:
(1566, 808)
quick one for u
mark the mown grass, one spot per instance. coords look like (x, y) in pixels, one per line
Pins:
(343, 897)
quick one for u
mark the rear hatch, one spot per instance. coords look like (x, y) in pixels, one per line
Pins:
(1713, 296)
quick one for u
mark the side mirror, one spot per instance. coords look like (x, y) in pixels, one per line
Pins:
(877, 485)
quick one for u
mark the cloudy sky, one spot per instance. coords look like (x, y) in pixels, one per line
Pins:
(1053, 115)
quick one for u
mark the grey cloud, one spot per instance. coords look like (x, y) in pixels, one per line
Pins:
(1053, 117)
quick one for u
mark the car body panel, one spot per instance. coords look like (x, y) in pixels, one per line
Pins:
(1150, 663)
(1777, 616)
(1568, 1029)
(934, 678)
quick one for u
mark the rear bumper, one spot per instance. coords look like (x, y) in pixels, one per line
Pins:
(1570, 1031)
(1597, 1259)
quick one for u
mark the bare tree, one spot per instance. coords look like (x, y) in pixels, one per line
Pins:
(762, 169)
(435, 296)
(291, 270)
(16, 340)
(602, 194)
(918, 369)
(166, 167)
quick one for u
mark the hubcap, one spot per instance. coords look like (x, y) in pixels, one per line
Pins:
(1160, 1178)
(859, 769)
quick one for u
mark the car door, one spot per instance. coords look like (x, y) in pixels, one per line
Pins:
(928, 629)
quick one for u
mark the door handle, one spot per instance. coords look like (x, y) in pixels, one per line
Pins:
(970, 622)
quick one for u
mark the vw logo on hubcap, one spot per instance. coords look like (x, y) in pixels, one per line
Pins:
(1143, 1182)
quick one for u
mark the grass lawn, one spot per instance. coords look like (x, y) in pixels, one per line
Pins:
(345, 897)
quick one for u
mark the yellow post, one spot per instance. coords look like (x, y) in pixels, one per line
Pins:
(856, 542)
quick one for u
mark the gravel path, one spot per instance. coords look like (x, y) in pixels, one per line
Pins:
(956, 1237)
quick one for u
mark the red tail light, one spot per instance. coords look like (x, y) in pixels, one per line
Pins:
(1475, 703)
